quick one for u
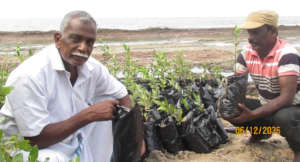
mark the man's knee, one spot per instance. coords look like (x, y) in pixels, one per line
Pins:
(288, 119)
(282, 117)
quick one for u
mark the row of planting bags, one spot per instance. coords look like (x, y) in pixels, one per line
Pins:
(201, 130)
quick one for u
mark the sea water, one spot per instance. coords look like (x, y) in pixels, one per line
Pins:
(137, 23)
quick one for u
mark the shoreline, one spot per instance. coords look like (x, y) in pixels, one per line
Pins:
(110, 35)
(212, 46)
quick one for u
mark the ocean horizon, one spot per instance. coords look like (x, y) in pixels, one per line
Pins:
(48, 24)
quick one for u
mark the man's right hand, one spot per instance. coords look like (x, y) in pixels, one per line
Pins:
(104, 110)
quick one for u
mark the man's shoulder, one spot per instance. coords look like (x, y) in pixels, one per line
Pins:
(287, 48)
(34, 64)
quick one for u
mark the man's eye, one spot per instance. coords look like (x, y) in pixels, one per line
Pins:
(75, 39)
(90, 42)
(254, 32)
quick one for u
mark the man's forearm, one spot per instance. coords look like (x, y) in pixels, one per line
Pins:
(273, 106)
(288, 88)
(56, 132)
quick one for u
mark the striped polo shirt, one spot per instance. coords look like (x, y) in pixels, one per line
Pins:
(282, 60)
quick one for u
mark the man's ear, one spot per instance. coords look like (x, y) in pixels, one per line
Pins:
(57, 39)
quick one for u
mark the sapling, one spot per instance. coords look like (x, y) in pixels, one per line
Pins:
(170, 109)
(10, 148)
(181, 67)
(216, 70)
(198, 101)
(185, 103)
(18, 53)
(106, 50)
(236, 33)
(130, 68)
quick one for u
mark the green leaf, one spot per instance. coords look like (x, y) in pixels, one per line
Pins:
(5, 90)
(164, 109)
(47, 159)
(179, 115)
(18, 49)
(237, 30)
(7, 158)
(1, 134)
(24, 145)
(77, 159)
(2, 157)
(33, 155)
(239, 51)
(100, 41)
(30, 53)
(18, 158)
(126, 48)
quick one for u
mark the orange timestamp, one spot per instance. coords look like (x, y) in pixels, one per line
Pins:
(256, 130)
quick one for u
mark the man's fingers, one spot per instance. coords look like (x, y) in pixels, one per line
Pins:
(234, 120)
(114, 102)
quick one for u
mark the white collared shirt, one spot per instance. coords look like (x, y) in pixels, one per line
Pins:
(43, 94)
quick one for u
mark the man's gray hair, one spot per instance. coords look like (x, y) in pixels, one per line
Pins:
(82, 15)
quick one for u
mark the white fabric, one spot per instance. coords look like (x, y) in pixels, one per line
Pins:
(43, 94)
(48, 154)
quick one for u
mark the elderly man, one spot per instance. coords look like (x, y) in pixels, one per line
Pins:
(274, 65)
(63, 99)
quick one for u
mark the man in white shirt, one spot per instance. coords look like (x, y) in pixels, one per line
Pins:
(63, 100)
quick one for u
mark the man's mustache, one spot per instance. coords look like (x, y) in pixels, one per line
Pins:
(80, 55)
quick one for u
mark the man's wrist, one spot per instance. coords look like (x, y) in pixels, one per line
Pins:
(255, 114)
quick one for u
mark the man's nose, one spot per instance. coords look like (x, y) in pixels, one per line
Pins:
(250, 38)
(82, 47)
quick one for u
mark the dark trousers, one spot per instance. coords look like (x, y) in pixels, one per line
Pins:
(287, 119)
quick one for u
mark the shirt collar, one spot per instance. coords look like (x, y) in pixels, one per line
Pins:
(58, 65)
(55, 59)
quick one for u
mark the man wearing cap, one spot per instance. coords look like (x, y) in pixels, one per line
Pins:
(274, 66)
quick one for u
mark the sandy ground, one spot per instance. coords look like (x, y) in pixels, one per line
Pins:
(199, 46)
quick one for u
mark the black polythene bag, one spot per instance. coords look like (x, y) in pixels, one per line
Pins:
(207, 130)
(170, 137)
(152, 138)
(217, 125)
(207, 96)
(128, 135)
(203, 131)
(191, 138)
(235, 92)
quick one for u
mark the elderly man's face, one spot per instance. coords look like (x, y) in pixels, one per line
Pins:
(75, 43)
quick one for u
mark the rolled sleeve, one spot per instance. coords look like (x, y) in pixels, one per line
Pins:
(29, 106)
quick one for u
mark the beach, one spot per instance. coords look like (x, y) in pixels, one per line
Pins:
(199, 46)
(212, 47)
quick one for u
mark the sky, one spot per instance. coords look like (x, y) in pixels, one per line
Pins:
(26, 9)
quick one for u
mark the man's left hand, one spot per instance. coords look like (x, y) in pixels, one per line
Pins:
(246, 115)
